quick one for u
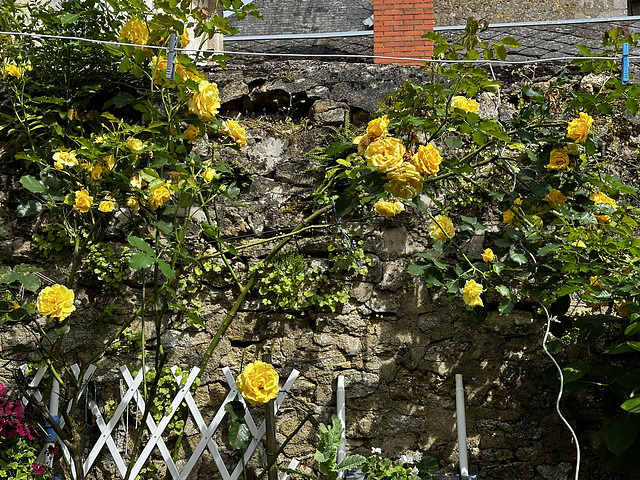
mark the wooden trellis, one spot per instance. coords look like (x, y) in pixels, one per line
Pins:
(155, 431)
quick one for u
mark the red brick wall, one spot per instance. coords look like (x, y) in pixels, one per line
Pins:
(397, 29)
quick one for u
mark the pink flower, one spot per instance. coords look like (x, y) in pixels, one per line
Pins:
(38, 468)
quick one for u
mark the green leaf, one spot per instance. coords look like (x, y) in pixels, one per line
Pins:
(33, 184)
(517, 257)
(621, 432)
(29, 208)
(239, 435)
(166, 269)
(63, 330)
(139, 260)
(568, 289)
(141, 244)
(632, 405)
(574, 371)
(502, 290)
(68, 18)
(547, 249)
(506, 306)
(350, 463)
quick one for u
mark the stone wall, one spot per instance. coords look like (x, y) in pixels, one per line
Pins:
(397, 343)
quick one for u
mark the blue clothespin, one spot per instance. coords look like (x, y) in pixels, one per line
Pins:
(625, 63)
(171, 57)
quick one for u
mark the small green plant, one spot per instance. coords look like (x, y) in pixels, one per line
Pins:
(327, 453)
(410, 466)
(109, 264)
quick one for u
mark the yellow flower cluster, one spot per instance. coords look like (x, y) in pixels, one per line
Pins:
(441, 229)
(56, 301)
(205, 102)
(159, 68)
(11, 70)
(388, 209)
(578, 128)
(385, 153)
(377, 128)
(464, 103)
(471, 294)
(236, 131)
(258, 383)
(405, 181)
(135, 31)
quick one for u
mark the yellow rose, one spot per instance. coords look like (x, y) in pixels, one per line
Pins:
(363, 142)
(378, 127)
(555, 197)
(83, 201)
(159, 68)
(578, 128)
(509, 216)
(385, 154)
(136, 180)
(109, 162)
(488, 255)
(96, 172)
(427, 160)
(209, 174)
(235, 131)
(12, 70)
(205, 102)
(466, 104)
(160, 196)
(56, 301)
(132, 202)
(388, 209)
(64, 159)
(471, 294)
(258, 383)
(579, 244)
(405, 181)
(135, 31)
(191, 134)
(558, 159)
(441, 229)
(135, 145)
(106, 206)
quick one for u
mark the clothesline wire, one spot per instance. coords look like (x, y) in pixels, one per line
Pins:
(315, 55)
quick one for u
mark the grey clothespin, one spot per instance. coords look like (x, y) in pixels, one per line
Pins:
(171, 57)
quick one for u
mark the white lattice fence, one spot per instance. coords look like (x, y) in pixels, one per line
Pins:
(155, 431)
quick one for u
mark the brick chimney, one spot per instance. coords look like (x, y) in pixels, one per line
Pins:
(397, 29)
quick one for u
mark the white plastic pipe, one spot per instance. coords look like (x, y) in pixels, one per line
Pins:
(54, 410)
(340, 406)
(462, 428)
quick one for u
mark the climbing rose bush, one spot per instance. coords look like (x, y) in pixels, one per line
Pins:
(258, 383)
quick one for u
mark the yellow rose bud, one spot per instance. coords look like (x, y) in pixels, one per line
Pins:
(135, 145)
(258, 383)
(488, 255)
(12, 70)
(471, 294)
(56, 301)
(136, 180)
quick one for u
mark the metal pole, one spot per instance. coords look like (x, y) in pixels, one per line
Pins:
(462, 428)
(340, 404)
